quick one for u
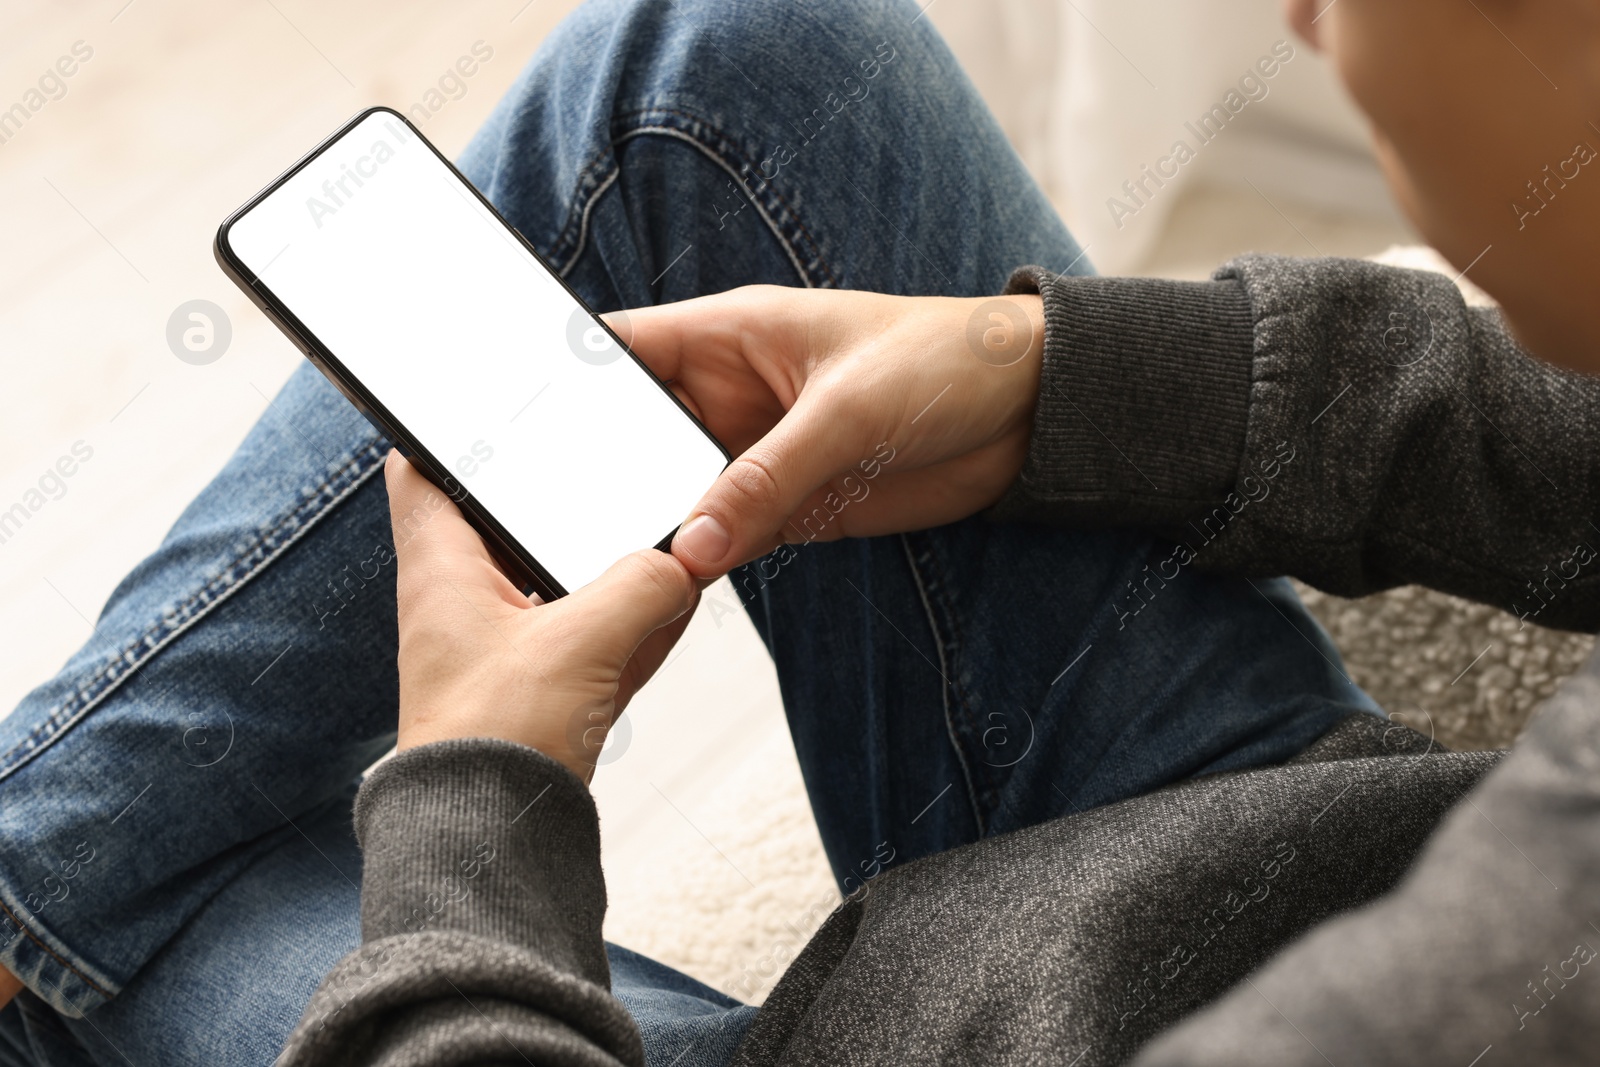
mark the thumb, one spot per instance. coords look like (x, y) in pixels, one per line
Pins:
(434, 544)
(635, 597)
(744, 513)
(426, 523)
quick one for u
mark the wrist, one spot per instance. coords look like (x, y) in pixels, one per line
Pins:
(580, 762)
(572, 738)
(1005, 334)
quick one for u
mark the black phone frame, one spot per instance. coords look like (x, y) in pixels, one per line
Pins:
(509, 553)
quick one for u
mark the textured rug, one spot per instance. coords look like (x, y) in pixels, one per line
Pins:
(1466, 673)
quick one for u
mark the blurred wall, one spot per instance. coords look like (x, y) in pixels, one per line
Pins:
(1094, 91)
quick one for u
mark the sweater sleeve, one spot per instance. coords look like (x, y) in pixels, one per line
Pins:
(481, 904)
(1354, 425)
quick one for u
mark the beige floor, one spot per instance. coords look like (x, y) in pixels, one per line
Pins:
(111, 197)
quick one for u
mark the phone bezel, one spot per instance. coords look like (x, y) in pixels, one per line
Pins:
(512, 556)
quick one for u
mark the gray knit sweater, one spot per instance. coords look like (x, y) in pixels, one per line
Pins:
(1374, 901)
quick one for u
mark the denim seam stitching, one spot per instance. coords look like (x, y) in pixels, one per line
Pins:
(604, 162)
(583, 219)
(761, 209)
(589, 188)
(734, 152)
(53, 954)
(263, 551)
(986, 782)
(945, 684)
(680, 135)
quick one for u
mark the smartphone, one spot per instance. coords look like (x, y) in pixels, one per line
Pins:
(455, 338)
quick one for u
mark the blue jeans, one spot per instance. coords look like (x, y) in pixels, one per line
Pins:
(177, 866)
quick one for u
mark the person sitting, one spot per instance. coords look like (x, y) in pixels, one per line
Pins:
(1098, 789)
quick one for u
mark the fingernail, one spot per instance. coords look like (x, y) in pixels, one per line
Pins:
(704, 538)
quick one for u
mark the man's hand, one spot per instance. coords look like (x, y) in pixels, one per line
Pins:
(479, 659)
(852, 414)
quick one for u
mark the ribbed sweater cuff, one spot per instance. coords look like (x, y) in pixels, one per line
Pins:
(1143, 400)
(483, 837)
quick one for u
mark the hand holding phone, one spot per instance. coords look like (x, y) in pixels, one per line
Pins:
(853, 414)
(479, 659)
(449, 332)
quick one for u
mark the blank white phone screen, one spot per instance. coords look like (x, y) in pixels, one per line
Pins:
(477, 350)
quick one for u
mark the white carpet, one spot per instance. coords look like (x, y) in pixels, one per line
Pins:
(733, 920)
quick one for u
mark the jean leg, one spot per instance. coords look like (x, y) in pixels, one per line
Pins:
(820, 144)
(908, 663)
(230, 985)
(840, 144)
(33, 1035)
(684, 1022)
(239, 678)
(834, 143)
(977, 678)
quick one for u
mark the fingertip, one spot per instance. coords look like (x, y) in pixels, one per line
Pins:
(394, 472)
(403, 482)
(705, 541)
(397, 470)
